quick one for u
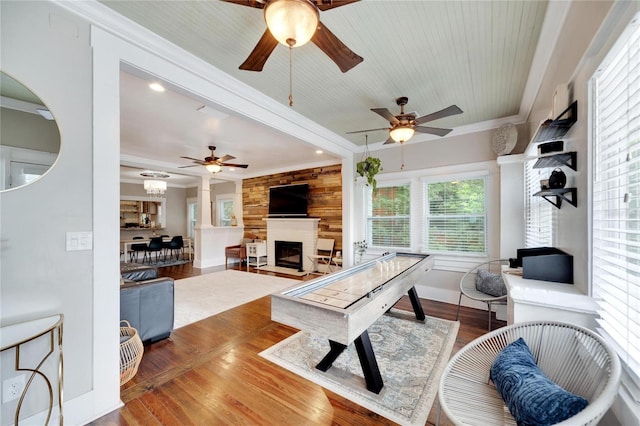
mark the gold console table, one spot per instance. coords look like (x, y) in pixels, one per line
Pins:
(13, 336)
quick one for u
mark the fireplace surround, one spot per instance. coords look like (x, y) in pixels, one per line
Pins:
(299, 230)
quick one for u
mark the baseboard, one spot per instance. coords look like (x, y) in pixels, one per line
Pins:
(77, 411)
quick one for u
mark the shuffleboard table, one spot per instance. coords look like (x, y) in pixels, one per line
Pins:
(341, 306)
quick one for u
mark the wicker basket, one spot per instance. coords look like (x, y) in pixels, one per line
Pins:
(131, 351)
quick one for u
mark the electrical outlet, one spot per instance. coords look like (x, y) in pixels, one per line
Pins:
(12, 388)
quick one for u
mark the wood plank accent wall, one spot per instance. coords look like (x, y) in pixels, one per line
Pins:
(325, 200)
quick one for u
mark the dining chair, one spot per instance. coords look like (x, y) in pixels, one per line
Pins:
(137, 248)
(154, 246)
(176, 244)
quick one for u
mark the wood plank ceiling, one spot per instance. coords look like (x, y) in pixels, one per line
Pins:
(475, 54)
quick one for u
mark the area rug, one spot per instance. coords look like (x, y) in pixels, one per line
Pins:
(411, 356)
(205, 295)
(162, 263)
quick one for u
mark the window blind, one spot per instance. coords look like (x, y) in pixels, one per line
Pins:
(388, 216)
(539, 216)
(615, 207)
(455, 216)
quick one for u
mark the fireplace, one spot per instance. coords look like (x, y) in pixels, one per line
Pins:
(301, 230)
(288, 254)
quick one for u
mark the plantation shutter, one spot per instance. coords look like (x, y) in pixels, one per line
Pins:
(539, 215)
(616, 196)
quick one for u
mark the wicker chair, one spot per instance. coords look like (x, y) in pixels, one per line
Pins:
(572, 356)
(468, 286)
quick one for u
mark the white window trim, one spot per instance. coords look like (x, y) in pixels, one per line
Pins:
(456, 263)
(219, 200)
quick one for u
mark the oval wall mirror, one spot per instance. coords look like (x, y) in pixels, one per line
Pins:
(29, 135)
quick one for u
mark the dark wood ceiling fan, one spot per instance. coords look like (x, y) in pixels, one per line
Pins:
(335, 49)
(409, 121)
(212, 162)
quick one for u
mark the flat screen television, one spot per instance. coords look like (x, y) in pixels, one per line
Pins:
(289, 200)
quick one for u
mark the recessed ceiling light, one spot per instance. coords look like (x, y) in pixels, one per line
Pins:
(319, 151)
(157, 87)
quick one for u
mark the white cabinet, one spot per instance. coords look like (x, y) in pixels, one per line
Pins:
(532, 300)
(257, 254)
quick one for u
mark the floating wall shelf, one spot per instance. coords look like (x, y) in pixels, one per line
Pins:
(554, 129)
(555, 196)
(568, 159)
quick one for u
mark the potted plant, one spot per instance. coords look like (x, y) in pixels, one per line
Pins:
(369, 168)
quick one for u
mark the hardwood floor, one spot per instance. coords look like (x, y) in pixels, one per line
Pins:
(210, 373)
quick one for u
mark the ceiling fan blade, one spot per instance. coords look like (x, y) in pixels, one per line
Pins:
(386, 114)
(432, 130)
(446, 112)
(331, 4)
(192, 165)
(191, 158)
(226, 158)
(258, 57)
(336, 50)
(368, 130)
(251, 3)
(389, 141)
(242, 166)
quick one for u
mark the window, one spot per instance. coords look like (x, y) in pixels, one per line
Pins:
(225, 211)
(455, 216)
(615, 204)
(539, 216)
(388, 218)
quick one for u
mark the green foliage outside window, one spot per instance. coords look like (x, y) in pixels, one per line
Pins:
(456, 216)
(390, 220)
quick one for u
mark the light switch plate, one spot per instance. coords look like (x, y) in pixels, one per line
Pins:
(79, 240)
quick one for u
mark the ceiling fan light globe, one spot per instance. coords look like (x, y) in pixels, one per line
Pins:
(213, 168)
(401, 133)
(291, 22)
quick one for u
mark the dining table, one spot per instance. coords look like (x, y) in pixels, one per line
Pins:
(126, 245)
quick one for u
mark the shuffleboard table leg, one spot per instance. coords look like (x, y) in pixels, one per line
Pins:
(327, 361)
(368, 362)
(415, 302)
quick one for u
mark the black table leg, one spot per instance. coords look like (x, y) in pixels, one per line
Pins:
(368, 362)
(327, 361)
(366, 356)
(415, 302)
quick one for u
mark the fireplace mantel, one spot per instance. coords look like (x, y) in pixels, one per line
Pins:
(304, 230)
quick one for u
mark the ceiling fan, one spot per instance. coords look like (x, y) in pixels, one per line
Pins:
(293, 23)
(214, 164)
(404, 124)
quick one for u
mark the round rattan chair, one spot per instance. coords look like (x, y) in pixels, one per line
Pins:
(573, 357)
(468, 286)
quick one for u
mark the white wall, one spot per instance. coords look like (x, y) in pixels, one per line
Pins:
(48, 50)
(176, 214)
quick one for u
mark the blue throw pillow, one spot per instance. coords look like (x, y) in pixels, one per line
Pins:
(532, 398)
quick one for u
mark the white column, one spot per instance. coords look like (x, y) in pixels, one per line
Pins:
(203, 228)
(204, 203)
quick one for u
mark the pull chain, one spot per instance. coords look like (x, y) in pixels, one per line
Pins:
(290, 77)
(402, 157)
